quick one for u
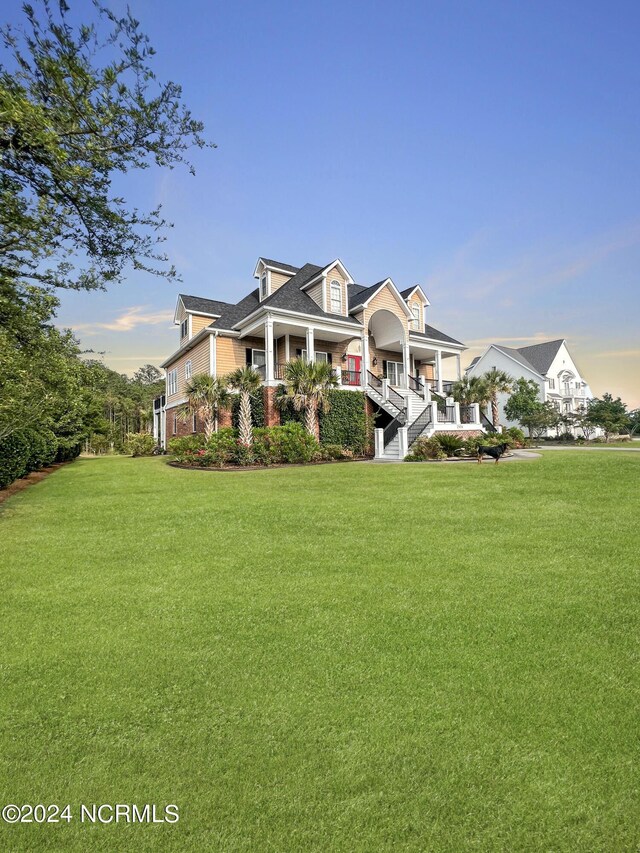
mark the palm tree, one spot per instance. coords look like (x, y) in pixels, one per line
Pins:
(206, 396)
(307, 384)
(497, 382)
(246, 381)
(471, 389)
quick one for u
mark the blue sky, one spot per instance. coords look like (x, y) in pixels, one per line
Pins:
(489, 151)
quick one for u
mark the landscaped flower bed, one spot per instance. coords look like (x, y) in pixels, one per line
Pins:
(289, 444)
(445, 445)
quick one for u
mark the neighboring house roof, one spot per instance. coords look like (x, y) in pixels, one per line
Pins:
(516, 355)
(204, 306)
(436, 335)
(541, 355)
(474, 361)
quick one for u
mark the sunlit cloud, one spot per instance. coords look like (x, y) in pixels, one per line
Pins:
(129, 320)
(473, 279)
(620, 353)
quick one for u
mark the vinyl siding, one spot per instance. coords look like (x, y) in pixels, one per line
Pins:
(231, 353)
(198, 323)
(387, 301)
(277, 280)
(199, 357)
(315, 293)
(412, 303)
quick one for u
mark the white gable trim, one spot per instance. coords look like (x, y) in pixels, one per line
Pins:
(324, 272)
(179, 302)
(394, 290)
(506, 355)
(422, 294)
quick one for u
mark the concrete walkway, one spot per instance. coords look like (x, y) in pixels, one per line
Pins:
(514, 456)
(631, 448)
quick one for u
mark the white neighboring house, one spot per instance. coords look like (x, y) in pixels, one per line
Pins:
(550, 364)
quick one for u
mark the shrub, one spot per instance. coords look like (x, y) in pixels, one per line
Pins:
(187, 444)
(291, 443)
(567, 437)
(140, 444)
(426, 448)
(345, 422)
(449, 443)
(332, 451)
(43, 447)
(14, 457)
(515, 437)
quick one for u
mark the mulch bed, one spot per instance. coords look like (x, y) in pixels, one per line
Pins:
(267, 467)
(29, 480)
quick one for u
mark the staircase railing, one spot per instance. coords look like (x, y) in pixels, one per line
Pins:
(391, 430)
(486, 423)
(414, 384)
(374, 381)
(418, 426)
(396, 399)
(351, 377)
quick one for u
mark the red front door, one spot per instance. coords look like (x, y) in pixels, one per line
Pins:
(353, 370)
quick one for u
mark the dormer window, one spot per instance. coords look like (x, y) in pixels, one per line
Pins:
(184, 328)
(263, 287)
(336, 297)
(415, 310)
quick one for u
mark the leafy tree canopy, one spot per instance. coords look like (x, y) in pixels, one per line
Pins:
(80, 105)
(608, 414)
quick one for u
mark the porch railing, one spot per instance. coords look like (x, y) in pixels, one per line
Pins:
(279, 371)
(351, 377)
(447, 387)
(486, 423)
(391, 429)
(448, 416)
(466, 414)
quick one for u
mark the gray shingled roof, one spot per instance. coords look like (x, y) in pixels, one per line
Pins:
(541, 355)
(279, 265)
(206, 306)
(235, 313)
(292, 298)
(436, 335)
(363, 293)
(517, 356)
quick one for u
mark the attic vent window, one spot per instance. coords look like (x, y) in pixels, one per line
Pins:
(184, 328)
(263, 287)
(336, 298)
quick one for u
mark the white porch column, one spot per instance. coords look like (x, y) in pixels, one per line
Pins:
(403, 442)
(378, 438)
(458, 368)
(365, 360)
(476, 412)
(439, 370)
(268, 346)
(311, 346)
(456, 407)
(406, 362)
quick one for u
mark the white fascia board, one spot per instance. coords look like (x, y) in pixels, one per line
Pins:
(439, 344)
(323, 274)
(175, 313)
(290, 317)
(201, 314)
(241, 326)
(422, 294)
(189, 344)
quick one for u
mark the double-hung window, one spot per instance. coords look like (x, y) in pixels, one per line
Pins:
(187, 369)
(336, 297)
(184, 328)
(172, 382)
(415, 310)
(318, 356)
(263, 287)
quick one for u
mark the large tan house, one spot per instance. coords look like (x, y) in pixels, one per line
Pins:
(376, 338)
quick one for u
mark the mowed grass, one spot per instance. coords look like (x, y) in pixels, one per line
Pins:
(335, 658)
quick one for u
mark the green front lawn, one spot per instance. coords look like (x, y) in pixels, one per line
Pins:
(336, 658)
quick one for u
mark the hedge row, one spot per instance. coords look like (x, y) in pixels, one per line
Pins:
(257, 409)
(28, 450)
(345, 422)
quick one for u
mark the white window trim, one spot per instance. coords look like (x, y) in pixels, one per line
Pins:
(264, 278)
(185, 326)
(335, 286)
(172, 382)
(188, 367)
